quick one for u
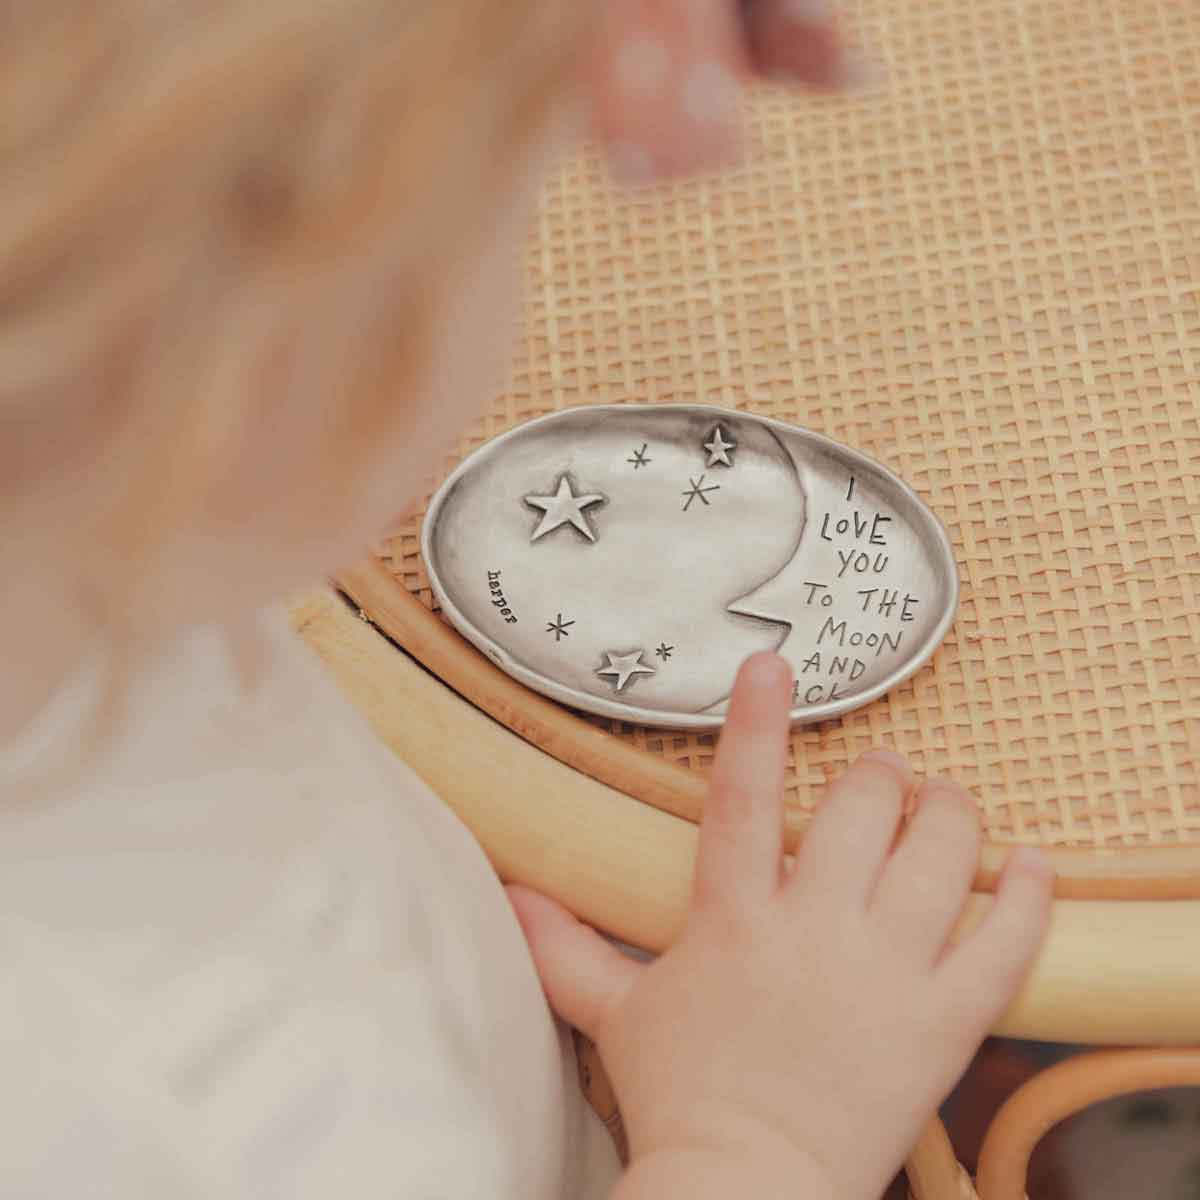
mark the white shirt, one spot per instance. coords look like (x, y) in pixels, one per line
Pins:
(248, 953)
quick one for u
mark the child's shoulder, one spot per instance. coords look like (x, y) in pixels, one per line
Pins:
(222, 742)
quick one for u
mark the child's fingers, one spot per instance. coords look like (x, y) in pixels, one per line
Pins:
(584, 977)
(853, 830)
(984, 972)
(797, 40)
(925, 882)
(665, 86)
(741, 835)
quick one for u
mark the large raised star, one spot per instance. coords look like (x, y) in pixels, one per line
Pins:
(563, 508)
(624, 667)
(718, 449)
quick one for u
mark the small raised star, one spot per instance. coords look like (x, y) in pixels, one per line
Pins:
(698, 490)
(623, 667)
(563, 508)
(718, 449)
(639, 458)
(559, 627)
(664, 651)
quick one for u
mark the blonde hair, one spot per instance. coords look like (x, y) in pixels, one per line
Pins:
(182, 178)
(185, 187)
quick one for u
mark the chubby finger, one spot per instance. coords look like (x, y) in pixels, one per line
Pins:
(926, 880)
(584, 977)
(985, 971)
(741, 836)
(665, 81)
(853, 830)
(797, 41)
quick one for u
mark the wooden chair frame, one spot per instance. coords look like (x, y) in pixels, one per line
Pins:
(1059, 1092)
(1135, 873)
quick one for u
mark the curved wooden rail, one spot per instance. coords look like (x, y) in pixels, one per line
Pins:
(1062, 1090)
(1144, 873)
(1112, 972)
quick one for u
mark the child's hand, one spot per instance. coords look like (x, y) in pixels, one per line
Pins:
(808, 1022)
(666, 75)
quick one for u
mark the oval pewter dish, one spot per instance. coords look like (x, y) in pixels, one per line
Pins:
(625, 559)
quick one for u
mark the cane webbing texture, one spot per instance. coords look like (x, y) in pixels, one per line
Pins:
(986, 275)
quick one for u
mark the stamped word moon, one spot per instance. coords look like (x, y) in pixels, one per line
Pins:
(625, 559)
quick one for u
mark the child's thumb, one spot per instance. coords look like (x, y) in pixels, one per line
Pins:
(584, 977)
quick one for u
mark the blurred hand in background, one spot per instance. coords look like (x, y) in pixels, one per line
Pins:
(667, 75)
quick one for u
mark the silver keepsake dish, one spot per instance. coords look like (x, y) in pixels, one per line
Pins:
(625, 560)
